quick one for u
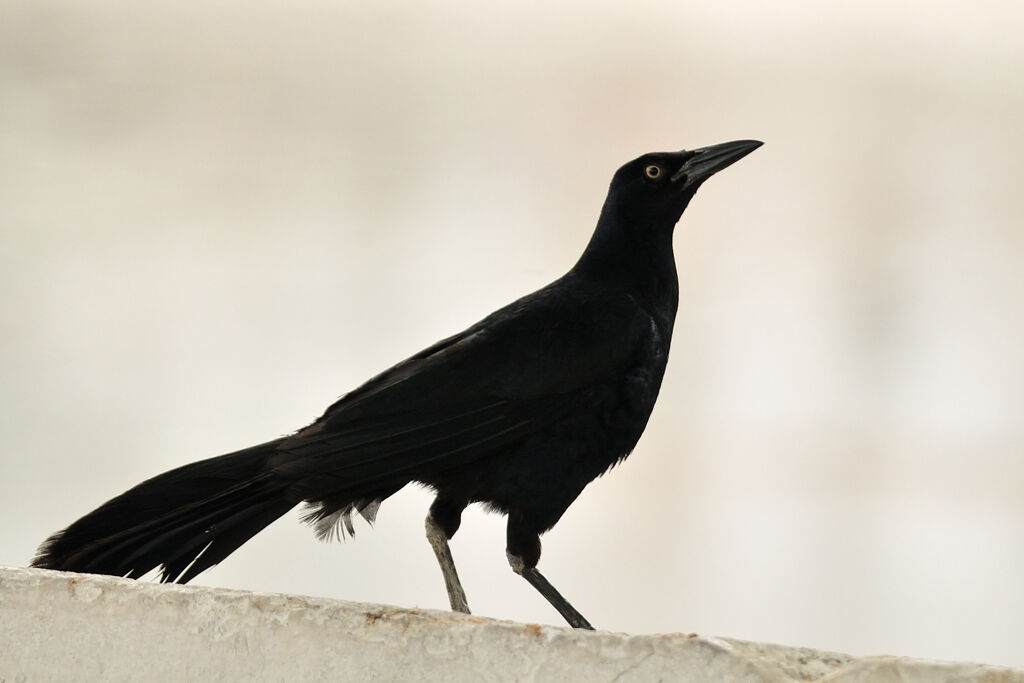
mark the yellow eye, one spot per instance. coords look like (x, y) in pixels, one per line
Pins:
(653, 172)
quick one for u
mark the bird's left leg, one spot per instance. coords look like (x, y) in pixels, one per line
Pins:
(442, 522)
(523, 552)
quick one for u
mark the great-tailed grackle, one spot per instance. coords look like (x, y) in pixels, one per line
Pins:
(519, 412)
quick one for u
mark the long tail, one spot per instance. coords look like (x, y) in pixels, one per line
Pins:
(184, 521)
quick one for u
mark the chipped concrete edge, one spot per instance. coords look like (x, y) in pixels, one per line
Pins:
(58, 626)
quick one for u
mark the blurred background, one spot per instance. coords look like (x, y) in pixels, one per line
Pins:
(218, 217)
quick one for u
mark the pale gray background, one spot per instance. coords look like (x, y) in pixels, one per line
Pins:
(218, 217)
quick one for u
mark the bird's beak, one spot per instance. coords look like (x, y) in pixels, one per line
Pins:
(707, 161)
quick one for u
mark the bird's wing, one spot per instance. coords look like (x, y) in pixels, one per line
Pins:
(470, 395)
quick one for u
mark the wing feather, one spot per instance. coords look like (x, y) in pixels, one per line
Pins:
(467, 397)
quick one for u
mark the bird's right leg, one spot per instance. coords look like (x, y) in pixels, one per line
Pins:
(443, 521)
(523, 552)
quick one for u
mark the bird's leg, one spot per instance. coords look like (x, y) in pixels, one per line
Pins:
(523, 553)
(544, 587)
(439, 542)
(438, 535)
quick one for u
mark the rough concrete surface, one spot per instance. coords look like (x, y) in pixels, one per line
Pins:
(57, 626)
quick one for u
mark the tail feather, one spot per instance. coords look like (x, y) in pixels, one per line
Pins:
(226, 537)
(183, 521)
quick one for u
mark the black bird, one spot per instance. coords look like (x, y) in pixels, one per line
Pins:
(519, 412)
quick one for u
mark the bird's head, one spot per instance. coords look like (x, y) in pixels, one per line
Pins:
(654, 189)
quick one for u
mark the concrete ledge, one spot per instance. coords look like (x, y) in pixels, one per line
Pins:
(56, 626)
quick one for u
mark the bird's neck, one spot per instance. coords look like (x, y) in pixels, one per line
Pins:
(637, 259)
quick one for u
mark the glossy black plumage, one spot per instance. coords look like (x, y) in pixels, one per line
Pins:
(518, 412)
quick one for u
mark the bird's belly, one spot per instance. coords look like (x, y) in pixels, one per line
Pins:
(544, 473)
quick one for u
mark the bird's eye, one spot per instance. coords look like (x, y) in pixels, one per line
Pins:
(653, 172)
